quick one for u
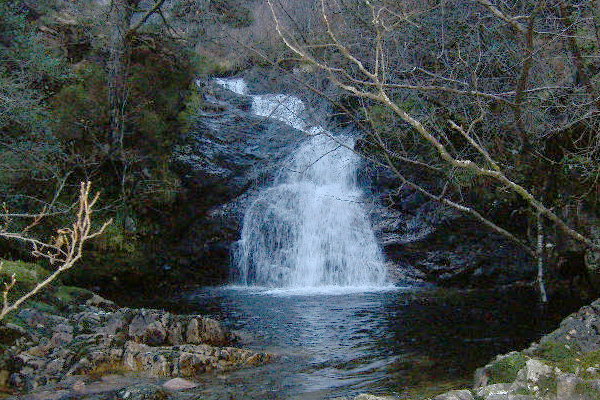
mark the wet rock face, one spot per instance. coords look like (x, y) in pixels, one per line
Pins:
(101, 340)
(230, 152)
(425, 242)
(227, 154)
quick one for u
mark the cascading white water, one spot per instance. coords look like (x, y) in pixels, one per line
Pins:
(309, 228)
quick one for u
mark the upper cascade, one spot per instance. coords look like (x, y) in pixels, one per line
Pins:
(309, 228)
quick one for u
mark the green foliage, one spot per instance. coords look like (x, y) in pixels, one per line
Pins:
(149, 124)
(207, 66)
(27, 276)
(80, 109)
(28, 68)
(159, 84)
(193, 104)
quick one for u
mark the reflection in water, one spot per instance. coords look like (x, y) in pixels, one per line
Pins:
(377, 342)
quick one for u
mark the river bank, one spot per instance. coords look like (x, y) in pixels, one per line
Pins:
(412, 342)
(96, 349)
(562, 365)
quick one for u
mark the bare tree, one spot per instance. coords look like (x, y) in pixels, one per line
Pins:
(62, 251)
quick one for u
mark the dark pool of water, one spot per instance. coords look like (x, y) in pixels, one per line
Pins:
(396, 342)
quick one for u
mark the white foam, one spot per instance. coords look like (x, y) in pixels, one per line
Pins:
(309, 229)
(237, 85)
(316, 290)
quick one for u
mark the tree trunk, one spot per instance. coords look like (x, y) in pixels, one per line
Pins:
(121, 14)
(540, 258)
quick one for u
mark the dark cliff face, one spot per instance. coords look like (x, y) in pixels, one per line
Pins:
(426, 242)
(226, 156)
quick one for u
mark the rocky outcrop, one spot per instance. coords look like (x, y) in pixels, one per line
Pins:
(564, 364)
(426, 242)
(102, 338)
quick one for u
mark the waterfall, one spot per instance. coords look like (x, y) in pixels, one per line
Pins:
(309, 228)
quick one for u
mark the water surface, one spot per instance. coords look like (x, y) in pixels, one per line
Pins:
(349, 341)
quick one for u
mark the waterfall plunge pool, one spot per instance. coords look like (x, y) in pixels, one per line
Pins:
(336, 326)
(408, 342)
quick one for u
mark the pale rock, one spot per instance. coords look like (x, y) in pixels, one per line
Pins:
(179, 384)
(566, 385)
(455, 395)
(495, 389)
(534, 370)
(101, 302)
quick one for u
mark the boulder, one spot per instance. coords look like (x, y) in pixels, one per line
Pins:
(580, 330)
(455, 395)
(148, 327)
(497, 389)
(179, 384)
(567, 385)
(152, 342)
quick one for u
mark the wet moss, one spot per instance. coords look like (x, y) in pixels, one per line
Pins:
(505, 369)
(71, 295)
(27, 274)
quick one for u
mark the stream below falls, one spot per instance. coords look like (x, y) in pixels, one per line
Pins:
(409, 342)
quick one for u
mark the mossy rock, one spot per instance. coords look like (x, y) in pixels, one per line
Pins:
(587, 390)
(505, 369)
(569, 358)
(557, 352)
(66, 295)
(27, 274)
